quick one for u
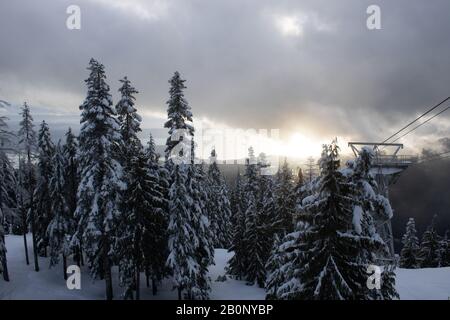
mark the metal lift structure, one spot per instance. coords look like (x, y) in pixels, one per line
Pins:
(387, 167)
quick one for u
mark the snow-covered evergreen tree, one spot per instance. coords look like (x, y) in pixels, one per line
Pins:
(409, 254)
(274, 267)
(179, 116)
(129, 119)
(101, 176)
(3, 261)
(373, 250)
(196, 183)
(219, 207)
(430, 247)
(7, 194)
(71, 179)
(7, 185)
(300, 181)
(236, 265)
(247, 262)
(5, 133)
(42, 204)
(388, 290)
(189, 236)
(27, 134)
(22, 200)
(253, 240)
(268, 224)
(329, 274)
(183, 241)
(299, 193)
(285, 283)
(61, 226)
(254, 261)
(143, 228)
(445, 250)
(27, 146)
(284, 198)
(70, 149)
(136, 197)
(340, 241)
(154, 243)
(137, 208)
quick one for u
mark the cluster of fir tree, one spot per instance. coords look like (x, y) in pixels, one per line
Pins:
(103, 199)
(263, 208)
(432, 252)
(335, 240)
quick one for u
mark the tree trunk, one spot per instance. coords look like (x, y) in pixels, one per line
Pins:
(138, 284)
(154, 286)
(5, 265)
(147, 278)
(77, 257)
(137, 261)
(179, 293)
(128, 294)
(5, 269)
(81, 254)
(26, 247)
(107, 273)
(65, 266)
(33, 226)
(35, 253)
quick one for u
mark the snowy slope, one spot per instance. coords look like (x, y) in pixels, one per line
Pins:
(424, 284)
(49, 284)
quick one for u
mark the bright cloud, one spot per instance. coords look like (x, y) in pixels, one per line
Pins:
(295, 24)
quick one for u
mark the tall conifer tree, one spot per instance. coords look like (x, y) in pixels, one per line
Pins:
(219, 208)
(101, 176)
(409, 254)
(61, 226)
(27, 145)
(430, 255)
(43, 212)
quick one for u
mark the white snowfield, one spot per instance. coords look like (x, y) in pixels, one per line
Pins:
(49, 283)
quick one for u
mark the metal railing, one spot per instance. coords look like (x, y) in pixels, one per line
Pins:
(394, 160)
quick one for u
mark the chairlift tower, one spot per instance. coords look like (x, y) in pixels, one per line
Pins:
(387, 167)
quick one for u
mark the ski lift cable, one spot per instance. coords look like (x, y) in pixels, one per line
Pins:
(421, 124)
(417, 119)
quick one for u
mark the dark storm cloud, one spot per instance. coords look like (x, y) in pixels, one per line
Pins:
(336, 77)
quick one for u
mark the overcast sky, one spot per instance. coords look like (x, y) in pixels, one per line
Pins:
(309, 67)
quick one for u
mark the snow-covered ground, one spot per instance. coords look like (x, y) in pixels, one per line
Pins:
(424, 284)
(49, 283)
(25, 283)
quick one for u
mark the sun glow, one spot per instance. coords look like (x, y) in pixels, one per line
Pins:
(299, 146)
(290, 25)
